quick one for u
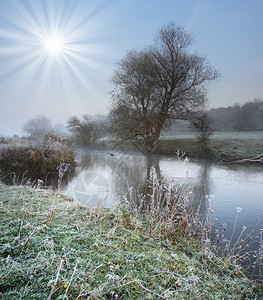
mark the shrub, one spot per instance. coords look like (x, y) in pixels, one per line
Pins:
(37, 157)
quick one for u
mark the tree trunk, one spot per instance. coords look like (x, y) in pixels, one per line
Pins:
(151, 143)
(151, 146)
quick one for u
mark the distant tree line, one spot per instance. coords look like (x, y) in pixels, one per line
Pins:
(238, 117)
(85, 130)
(248, 116)
(39, 126)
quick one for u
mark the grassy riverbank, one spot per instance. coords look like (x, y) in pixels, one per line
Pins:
(226, 146)
(52, 246)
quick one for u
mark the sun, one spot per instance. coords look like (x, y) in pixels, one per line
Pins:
(53, 45)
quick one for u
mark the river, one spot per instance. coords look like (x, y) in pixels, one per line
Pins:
(237, 189)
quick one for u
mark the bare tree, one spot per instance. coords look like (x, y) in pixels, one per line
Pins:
(202, 124)
(156, 84)
(84, 131)
(37, 127)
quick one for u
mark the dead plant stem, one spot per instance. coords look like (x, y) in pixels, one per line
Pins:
(55, 283)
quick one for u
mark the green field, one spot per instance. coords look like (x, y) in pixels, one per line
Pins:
(226, 146)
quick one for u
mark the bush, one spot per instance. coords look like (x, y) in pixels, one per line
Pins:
(37, 157)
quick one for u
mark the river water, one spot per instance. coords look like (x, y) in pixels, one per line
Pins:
(237, 189)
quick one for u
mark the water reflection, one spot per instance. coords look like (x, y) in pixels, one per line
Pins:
(115, 175)
(100, 176)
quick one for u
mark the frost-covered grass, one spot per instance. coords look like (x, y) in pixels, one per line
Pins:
(53, 248)
(225, 146)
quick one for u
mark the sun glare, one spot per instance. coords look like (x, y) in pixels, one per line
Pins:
(53, 45)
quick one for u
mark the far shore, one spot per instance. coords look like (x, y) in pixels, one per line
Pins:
(224, 146)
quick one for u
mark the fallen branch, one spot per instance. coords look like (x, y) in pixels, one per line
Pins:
(256, 159)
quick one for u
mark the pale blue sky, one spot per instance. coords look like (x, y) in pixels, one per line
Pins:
(94, 35)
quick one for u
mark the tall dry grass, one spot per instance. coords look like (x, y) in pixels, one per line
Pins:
(166, 210)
